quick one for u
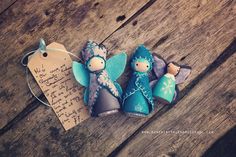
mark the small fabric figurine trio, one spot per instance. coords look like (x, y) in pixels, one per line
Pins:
(103, 95)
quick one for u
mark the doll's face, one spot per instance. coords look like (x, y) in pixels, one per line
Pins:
(141, 65)
(96, 64)
(173, 69)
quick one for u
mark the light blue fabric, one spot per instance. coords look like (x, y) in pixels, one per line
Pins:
(165, 89)
(42, 46)
(81, 73)
(86, 96)
(95, 81)
(115, 66)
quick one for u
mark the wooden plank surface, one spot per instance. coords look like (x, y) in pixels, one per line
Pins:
(202, 117)
(41, 134)
(69, 22)
(4, 4)
(196, 36)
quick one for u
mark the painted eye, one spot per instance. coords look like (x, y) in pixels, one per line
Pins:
(101, 62)
(136, 64)
(90, 65)
(147, 66)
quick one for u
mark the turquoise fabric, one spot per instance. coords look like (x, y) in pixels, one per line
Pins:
(86, 96)
(142, 53)
(136, 103)
(115, 65)
(165, 88)
(81, 73)
(138, 94)
(114, 68)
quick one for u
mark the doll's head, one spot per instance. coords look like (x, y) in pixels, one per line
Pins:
(173, 68)
(141, 65)
(142, 60)
(96, 64)
(94, 56)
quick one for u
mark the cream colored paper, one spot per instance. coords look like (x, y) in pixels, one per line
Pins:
(54, 76)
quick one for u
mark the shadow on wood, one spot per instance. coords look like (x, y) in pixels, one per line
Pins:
(225, 146)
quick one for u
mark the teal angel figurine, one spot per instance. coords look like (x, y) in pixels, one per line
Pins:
(102, 94)
(168, 75)
(137, 98)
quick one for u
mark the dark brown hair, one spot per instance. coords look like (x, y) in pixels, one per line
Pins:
(176, 64)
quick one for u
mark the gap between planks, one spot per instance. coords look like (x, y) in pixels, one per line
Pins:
(61, 23)
(34, 105)
(209, 62)
(223, 57)
(140, 11)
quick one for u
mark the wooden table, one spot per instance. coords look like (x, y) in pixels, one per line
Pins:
(200, 33)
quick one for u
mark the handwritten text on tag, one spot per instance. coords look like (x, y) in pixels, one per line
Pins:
(53, 74)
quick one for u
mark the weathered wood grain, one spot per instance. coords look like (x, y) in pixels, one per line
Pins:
(182, 39)
(4, 4)
(69, 22)
(190, 33)
(41, 134)
(206, 113)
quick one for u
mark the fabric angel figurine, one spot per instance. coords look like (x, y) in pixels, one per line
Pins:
(102, 94)
(169, 75)
(137, 99)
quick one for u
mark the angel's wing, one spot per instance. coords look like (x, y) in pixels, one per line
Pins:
(183, 74)
(152, 83)
(81, 73)
(115, 65)
(159, 66)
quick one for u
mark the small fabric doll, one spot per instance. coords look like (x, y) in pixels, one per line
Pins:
(98, 75)
(169, 75)
(137, 99)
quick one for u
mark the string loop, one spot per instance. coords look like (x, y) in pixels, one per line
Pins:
(43, 49)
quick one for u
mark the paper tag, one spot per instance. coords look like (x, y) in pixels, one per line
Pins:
(54, 76)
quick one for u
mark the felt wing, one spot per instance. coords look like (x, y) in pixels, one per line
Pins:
(115, 65)
(183, 74)
(81, 73)
(175, 97)
(159, 66)
(152, 83)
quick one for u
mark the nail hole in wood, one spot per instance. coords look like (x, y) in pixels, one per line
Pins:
(47, 12)
(96, 4)
(120, 18)
(161, 41)
(135, 23)
(183, 58)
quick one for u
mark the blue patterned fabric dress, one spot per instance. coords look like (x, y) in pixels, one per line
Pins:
(137, 98)
(102, 94)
